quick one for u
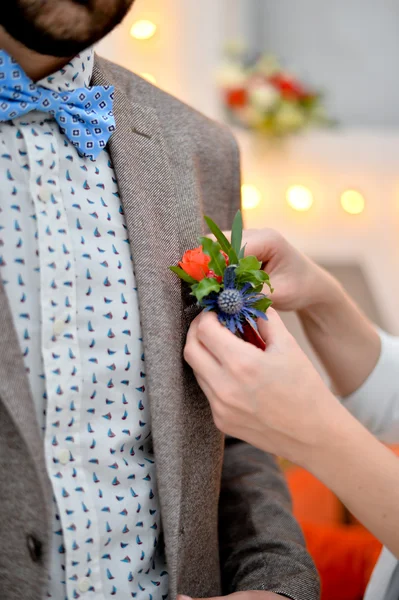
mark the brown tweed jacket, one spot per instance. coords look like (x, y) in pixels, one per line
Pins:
(226, 512)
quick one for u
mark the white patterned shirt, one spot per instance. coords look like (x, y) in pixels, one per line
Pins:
(67, 270)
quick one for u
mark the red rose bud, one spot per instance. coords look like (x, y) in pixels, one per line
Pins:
(195, 263)
(212, 275)
(251, 336)
(226, 258)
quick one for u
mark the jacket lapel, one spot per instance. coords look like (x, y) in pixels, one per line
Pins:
(149, 199)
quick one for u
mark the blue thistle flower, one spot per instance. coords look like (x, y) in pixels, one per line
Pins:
(234, 306)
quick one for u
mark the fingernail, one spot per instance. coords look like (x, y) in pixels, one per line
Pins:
(184, 598)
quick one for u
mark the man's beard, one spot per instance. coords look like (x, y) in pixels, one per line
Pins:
(61, 34)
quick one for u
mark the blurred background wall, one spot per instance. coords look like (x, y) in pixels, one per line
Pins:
(349, 48)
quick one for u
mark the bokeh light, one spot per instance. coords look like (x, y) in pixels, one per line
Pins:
(251, 196)
(353, 202)
(143, 30)
(300, 198)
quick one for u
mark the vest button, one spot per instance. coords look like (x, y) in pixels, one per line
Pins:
(35, 548)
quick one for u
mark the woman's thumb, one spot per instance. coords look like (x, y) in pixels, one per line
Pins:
(273, 330)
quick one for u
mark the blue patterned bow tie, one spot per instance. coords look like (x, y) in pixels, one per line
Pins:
(84, 115)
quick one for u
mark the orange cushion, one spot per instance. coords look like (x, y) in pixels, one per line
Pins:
(313, 501)
(345, 557)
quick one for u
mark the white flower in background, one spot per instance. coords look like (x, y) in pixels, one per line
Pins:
(263, 96)
(231, 75)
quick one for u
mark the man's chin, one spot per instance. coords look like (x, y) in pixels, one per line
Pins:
(45, 42)
(45, 45)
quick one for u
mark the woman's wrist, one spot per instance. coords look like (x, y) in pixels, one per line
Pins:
(327, 427)
(346, 342)
(341, 443)
(326, 298)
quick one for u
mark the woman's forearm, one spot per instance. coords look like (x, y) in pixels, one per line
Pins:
(364, 474)
(344, 339)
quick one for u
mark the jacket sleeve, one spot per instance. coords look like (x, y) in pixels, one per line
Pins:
(376, 402)
(262, 547)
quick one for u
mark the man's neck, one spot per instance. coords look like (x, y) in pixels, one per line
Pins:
(36, 66)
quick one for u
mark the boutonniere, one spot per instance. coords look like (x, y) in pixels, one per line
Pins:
(227, 282)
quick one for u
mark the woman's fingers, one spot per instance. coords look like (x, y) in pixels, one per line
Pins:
(206, 387)
(219, 341)
(273, 331)
(198, 356)
(262, 243)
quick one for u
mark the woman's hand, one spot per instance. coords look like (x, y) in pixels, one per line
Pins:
(345, 341)
(298, 282)
(262, 397)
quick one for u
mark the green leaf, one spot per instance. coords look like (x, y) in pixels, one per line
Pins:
(242, 252)
(205, 287)
(236, 233)
(249, 263)
(183, 275)
(223, 241)
(213, 249)
(249, 278)
(257, 288)
(233, 258)
(254, 277)
(219, 235)
(263, 304)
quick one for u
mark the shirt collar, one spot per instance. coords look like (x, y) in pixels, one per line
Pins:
(75, 74)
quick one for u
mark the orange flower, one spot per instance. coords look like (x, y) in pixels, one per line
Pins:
(195, 263)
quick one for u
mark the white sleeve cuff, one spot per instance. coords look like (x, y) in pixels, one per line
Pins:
(376, 402)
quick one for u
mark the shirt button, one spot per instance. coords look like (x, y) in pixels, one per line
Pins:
(58, 327)
(44, 195)
(64, 456)
(84, 584)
